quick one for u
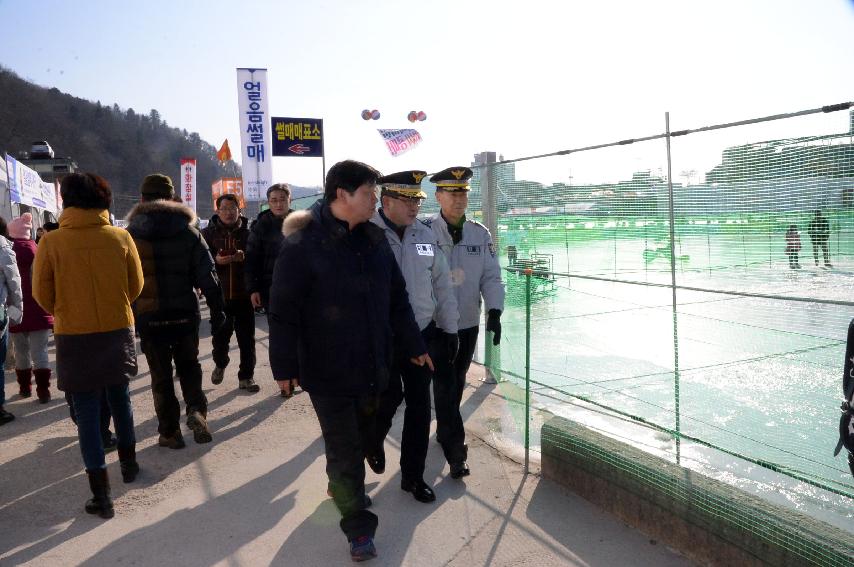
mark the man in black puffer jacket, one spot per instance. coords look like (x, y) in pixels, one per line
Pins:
(226, 236)
(265, 237)
(175, 261)
(337, 300)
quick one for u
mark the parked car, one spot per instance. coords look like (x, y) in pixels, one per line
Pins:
(41, 149)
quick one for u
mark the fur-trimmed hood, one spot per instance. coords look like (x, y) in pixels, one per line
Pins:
(295, 222)
(159, 219)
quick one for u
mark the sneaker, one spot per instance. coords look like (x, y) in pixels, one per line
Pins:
(174, 441)
(249, 385)
(5, 416)
(362, 548)
(217, 375)
(197, 422)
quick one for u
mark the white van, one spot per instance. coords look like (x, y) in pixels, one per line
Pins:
(41, 149)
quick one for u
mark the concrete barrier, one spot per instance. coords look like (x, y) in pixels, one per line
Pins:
(707, 520)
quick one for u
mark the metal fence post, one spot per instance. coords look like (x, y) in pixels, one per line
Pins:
(673, 288)
(528, 272)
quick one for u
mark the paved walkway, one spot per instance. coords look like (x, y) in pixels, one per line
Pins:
(257, 494)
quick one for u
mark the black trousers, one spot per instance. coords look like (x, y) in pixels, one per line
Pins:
(793, 259)
(347, 424)
(159, 352)
(448, 384)
(820, 244)
(240, 320)
(411, 383)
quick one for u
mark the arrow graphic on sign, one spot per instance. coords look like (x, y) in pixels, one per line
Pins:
(299, 149)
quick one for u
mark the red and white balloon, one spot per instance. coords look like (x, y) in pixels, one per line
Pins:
(370, 114)
(418, 115)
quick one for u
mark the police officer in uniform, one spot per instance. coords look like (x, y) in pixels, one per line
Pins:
(434, 304)
(475, 273)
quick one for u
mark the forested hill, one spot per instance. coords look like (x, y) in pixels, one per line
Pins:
(122, 145)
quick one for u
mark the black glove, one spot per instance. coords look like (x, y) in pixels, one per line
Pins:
(452, 343)
(217, 321)
(493, 323)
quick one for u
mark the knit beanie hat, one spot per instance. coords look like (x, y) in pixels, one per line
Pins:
(21, 227)
(157, 184)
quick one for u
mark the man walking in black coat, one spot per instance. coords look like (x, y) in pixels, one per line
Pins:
(262, 250)
(175, 262)
(226, 236)
(337, 299)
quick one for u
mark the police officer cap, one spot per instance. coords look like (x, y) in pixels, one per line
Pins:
(403, 184)
(452, 179)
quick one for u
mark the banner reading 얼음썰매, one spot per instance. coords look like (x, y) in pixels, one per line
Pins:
(399, 141)
(188, 182)
(255, 139)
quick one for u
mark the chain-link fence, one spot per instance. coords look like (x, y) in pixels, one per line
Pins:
(697, 282)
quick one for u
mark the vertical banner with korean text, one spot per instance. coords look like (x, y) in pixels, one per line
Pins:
(255, 140)
(188, 182)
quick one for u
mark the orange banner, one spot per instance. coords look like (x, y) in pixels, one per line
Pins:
(231, 185)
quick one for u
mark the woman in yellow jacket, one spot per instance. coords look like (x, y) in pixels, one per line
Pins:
(87, 273)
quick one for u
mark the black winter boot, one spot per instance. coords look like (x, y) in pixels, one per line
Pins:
(128, 464)
(100, 503)
(42, 376)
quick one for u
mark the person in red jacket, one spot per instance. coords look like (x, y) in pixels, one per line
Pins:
(31, 336)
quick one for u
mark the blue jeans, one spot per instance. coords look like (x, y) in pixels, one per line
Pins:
(4, 343)
(87, 405)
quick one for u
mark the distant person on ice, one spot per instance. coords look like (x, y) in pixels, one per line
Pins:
(819, 232)
(793, 246)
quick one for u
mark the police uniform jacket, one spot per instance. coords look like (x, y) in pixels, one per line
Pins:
(474, 269)
(337, 301)
(425, 270)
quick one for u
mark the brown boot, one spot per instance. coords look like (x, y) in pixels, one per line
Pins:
(42, 384)
(25, 378)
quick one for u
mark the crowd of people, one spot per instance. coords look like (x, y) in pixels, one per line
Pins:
(367, 308)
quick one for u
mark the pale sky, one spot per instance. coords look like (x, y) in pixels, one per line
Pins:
(518, 78)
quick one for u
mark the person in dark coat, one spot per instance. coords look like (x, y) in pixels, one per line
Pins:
(262, 250)
(176, 262)
(226, 236)
(86, 274)
(819, 232)
(337, 299)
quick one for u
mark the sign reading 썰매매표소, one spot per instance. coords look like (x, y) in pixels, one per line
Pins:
(300, 137)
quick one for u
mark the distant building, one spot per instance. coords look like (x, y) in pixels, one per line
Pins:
(51, 169)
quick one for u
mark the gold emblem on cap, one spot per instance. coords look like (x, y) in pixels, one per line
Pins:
(418, 176)
(458, 173)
